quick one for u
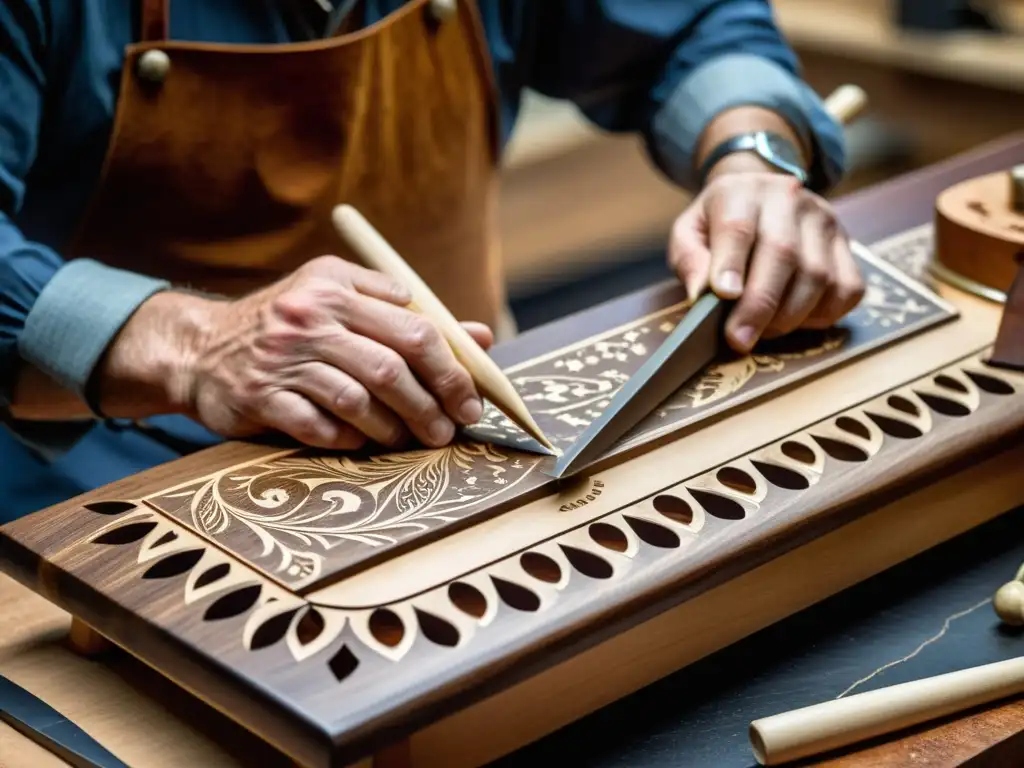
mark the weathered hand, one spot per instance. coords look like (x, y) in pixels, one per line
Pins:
(331, 357)
(762, 238)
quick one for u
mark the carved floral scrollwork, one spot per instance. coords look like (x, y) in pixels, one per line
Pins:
(301, 507)
(305, 516)
(450, 614)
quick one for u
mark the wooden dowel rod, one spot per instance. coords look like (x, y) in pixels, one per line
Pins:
(490, 380)
(839, 723)
(846, 102)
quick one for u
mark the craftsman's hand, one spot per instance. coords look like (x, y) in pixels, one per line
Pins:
(328, 355)
(762, 238)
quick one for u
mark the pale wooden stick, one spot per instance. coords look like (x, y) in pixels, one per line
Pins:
(490, 380)
(838, 723)
(846, 102)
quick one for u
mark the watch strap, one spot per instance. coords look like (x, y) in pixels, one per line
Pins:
(758, 142)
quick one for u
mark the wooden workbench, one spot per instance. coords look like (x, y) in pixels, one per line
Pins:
(136, 713)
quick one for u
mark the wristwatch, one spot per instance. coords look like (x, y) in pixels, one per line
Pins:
(774, 149)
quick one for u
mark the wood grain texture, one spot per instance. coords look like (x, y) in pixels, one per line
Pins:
(279, 663)
(308, 518)
(348, 681)
(978, 236)
(992, 737)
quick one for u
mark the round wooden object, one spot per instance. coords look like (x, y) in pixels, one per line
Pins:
(978, 236)
(1008, 603)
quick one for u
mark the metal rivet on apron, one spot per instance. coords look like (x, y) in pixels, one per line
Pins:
(154, 66)
(443, 9)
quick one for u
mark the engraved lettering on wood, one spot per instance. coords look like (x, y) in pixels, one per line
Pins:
(582, 501)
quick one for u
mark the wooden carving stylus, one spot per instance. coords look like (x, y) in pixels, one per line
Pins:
(490, 380)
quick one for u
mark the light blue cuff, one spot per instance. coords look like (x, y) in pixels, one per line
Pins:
(78, 313)
(725, 82)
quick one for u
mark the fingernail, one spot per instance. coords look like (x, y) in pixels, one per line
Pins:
(441, 431)
(729, 282)
(744, 335)
(693, 290)
(471, 411)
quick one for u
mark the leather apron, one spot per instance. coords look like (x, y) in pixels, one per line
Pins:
(226, 160)
(224, 165)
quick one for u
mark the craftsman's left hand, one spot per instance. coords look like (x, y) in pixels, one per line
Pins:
(765, 240)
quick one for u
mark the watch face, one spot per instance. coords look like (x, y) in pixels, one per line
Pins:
(781, 149)
(780, 152)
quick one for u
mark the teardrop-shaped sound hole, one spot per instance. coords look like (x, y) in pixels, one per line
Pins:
(174, 565)
(587, 563)
(737, 480)
(797, 451)
(272, 630)
(900, 403)
(854, 427)
(310, 626)
(840, 450)
(944, 405)
(895, 427)
(234, 603)
(990, 384)
(609, 537)
(210, 575)
(781, 477)
(125, 534)
(109, 507)
(652, 533)
(541, 567)
(948, 382)
(468, 599)
(386, 627)
(674, 508)
(436, 629)
(516, 596)
(719, 506)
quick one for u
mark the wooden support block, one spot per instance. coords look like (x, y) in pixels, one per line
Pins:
(86, 641)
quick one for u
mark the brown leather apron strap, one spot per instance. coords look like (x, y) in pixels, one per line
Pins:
(156, 16)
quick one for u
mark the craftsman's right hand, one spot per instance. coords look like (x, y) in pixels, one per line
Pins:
(328, 355)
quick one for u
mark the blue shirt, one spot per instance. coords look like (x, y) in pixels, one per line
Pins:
(660, 68)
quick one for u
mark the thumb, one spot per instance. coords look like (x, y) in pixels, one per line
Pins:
(688, 253)
(481, 334)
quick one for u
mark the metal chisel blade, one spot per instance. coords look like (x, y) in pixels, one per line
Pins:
(692, 344)
(34, 718)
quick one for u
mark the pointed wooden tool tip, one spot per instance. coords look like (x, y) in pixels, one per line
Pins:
(376, 253)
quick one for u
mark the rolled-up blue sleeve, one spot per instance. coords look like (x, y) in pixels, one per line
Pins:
(60, 316)
(667, 68)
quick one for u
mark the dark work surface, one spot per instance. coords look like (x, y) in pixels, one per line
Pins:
(927, 616)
